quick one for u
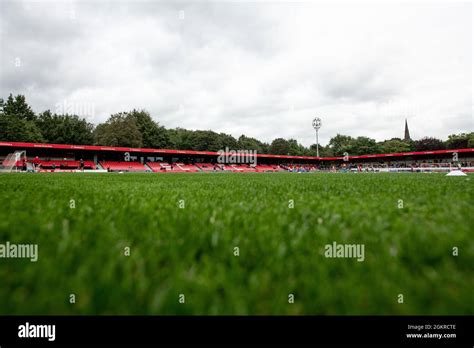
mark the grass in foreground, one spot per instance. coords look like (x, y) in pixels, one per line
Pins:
(190, 251)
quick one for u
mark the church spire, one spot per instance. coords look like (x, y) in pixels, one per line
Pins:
(407, 132)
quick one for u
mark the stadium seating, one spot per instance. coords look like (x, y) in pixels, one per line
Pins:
(178, 167)
(205, 167)
(242, 168)
(59, 164)
(48, 164)
(190, 168)
(123, 166)
(226, 167)
(66, 164)
(158, 167)
(267, 168)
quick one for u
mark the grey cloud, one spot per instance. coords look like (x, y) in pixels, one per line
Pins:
(263, 69)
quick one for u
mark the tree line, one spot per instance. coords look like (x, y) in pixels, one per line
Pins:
(136, 128)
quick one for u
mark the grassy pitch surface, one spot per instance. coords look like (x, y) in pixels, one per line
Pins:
(182, 231)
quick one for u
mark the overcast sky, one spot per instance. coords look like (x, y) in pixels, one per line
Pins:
(260, 69)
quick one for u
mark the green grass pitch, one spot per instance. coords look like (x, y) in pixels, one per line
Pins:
(190, 250)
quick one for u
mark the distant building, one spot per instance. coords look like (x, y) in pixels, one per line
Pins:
(407, 132)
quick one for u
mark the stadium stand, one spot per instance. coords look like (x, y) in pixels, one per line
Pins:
(122, 166)
(63, 157)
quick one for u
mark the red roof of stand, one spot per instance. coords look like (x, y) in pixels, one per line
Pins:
(210, 153)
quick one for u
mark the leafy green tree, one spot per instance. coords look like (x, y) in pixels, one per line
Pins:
(180, 138)
(297, 149)
(204, 141)
(428, 143)
(280, 146)
(153, 135)
(470, 142)
(65, 129)
(294, 149)
(17, 106)
(136, 128)
(17, 121)
(394, 146)
(119, 130)
(459, 141)
(13, 128)
(227, 140)
(341, 144)
(364, 146)
(324, 151)
(247, 143)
